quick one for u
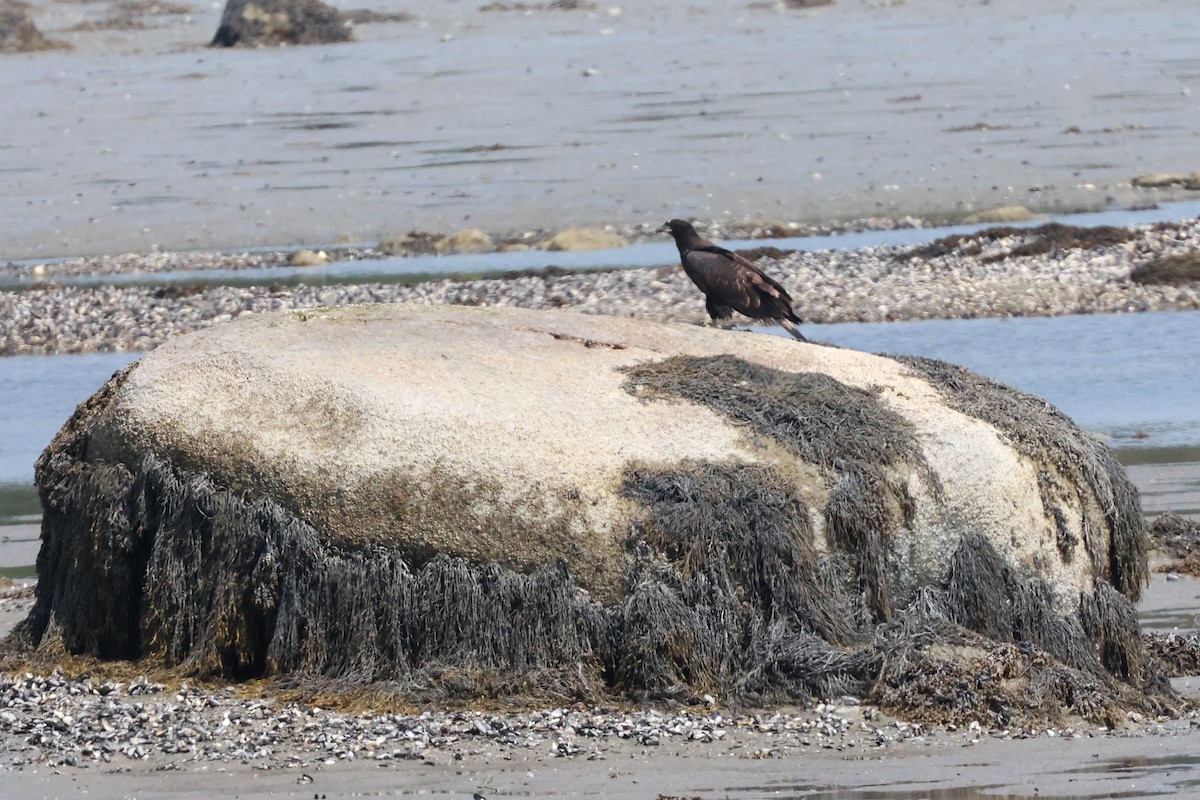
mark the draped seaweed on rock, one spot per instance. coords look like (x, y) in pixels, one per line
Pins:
(238, 586)
(726, 562)
(988, 645)
(845, 430)
(1050, 439)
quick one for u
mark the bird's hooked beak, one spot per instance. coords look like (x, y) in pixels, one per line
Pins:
(666, 227)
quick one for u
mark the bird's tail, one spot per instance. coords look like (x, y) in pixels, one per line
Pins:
(791, 328)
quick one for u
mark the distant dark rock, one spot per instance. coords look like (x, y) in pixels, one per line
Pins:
(18, 34)
(273, 22)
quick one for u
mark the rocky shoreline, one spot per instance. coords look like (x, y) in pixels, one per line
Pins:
(54, 720)
(1047, 271)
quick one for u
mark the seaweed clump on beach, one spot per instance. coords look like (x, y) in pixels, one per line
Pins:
(1175, 270)
(1178, 654)
(19, 34)
(992, 646)
(1179, 538)
(966, 678)
(1027, 241)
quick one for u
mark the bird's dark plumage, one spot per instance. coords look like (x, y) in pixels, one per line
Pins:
(730, 282)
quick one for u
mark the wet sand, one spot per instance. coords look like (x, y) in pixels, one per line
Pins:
(951, 769)
(507, 121)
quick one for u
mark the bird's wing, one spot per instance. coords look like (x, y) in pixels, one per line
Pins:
(728, 276)
(762, 279)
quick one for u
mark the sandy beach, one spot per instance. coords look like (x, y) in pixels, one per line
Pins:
(142, 137)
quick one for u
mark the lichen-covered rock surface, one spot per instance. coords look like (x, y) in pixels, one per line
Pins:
(459, 502)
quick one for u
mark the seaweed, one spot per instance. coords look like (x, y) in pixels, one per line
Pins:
(1083, 463)
(1179, 538)
(1177, 654)
(867, 449)
(728, 566)
(991, 646)
(1173, 270)
(816, 417)
(1031, 241)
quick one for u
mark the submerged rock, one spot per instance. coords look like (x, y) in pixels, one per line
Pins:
(1001, 214)
(273, 22)
(1165, 180)
(468, 240)
(586, 239)
(504, 502)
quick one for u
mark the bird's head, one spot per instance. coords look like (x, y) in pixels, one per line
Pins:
(680, 228)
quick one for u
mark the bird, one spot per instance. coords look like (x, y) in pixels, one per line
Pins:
(731, 282)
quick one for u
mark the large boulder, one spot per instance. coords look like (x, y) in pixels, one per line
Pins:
(273, 22)
(501, 500)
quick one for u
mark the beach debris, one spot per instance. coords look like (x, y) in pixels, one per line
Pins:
(1179, 538)
(1179, 269)
(366, 16)
(551, 5)
(1001, 243)
(1165, 180)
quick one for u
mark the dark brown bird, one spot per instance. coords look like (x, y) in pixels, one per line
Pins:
(730, 282)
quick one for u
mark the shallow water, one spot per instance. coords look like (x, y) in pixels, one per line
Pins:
(38, 394)
(1129, 377)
